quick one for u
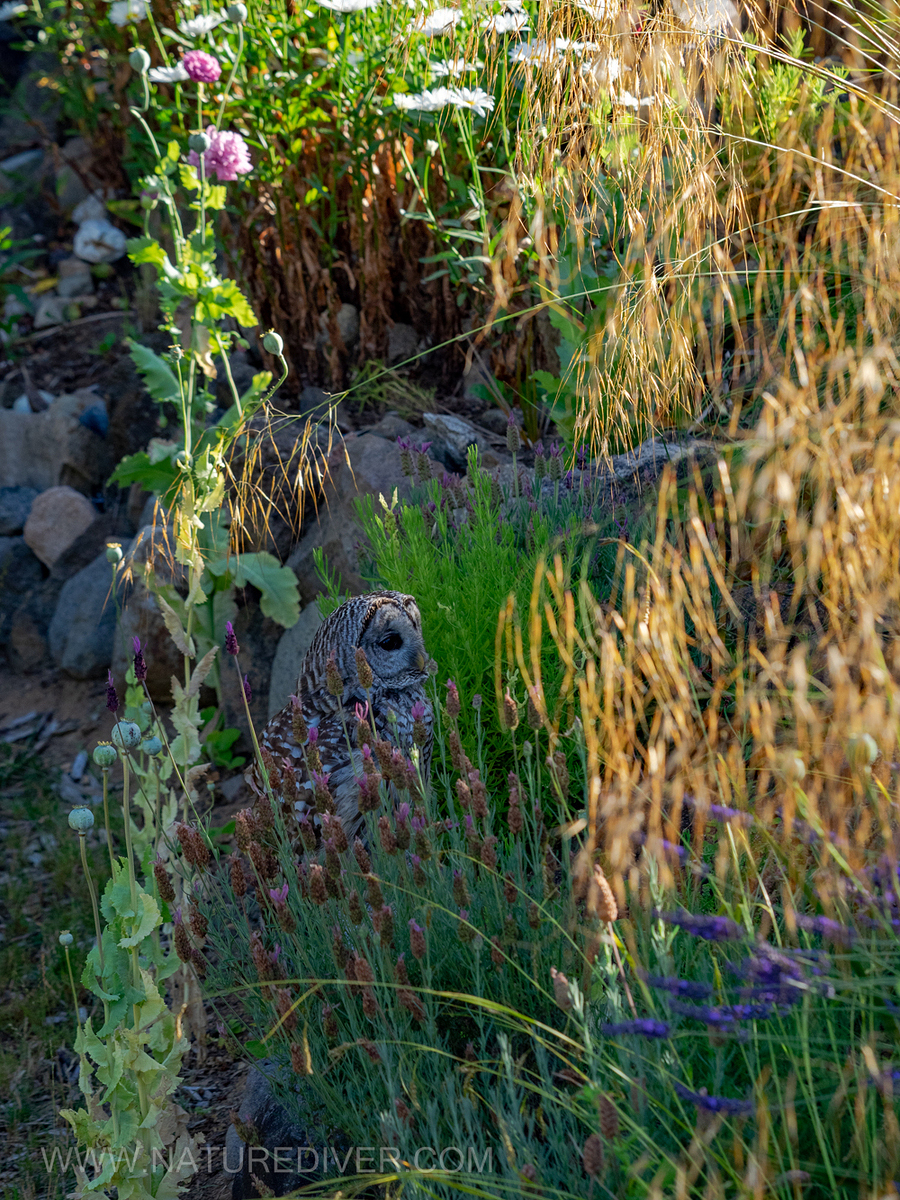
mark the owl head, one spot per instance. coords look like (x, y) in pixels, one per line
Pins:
(387, 626)
(391, 636)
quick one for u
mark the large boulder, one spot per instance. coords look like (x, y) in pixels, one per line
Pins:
(359, 465)
(15, 505)
(272, 1137)
(84, 625)
(57, 517)
(292, 647)
(20, 573)
(45, 449)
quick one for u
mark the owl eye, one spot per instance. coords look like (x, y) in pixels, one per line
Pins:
(393, 641)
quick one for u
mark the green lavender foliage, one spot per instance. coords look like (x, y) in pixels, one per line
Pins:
(463, 548)
(747, 1030)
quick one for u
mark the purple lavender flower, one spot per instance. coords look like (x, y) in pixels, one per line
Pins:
(721, 812)
(201, 67)
(723, 1016)
(714, 1104)
(834, 931)
(140, 667)
(417, 712)
(231, 644)
(278, 895)
(643, 1026)
(112, 700)
(419, 823)
(680, 987)
(711, 929)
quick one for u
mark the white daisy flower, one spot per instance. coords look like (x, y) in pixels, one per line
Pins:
(602, 71)
(453, 66)
(429, 101)
(600, 10)
(508, 22)
(205, 23)
(437, 23)
(348, 6)
(12, 10)
(175, 74)
(705, 16)
(476, 99)
(541, 51)
(127, 12)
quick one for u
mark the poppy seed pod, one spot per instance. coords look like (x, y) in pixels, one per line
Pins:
(126, 735)
(273, 343)
(81, 819)
(105, 755)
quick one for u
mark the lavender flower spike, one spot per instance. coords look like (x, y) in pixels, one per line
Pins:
(140, 666)
(715, 1104)
(711, 929)
(645, 1027)
(112, 700)
(231, 643)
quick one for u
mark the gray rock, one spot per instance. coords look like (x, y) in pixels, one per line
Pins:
(451, 438)
(374, 467)
(75, 278)
(33, 110)
(29, 625)
(15, 505)
(45, 449)
(391, 427)
(292, 648)
(495, 420)
(83, 628)
(57, 517)
(24, 169)
(276, 1128)
(20, 572)
(51, 310)
(348, 324)
(403, 343)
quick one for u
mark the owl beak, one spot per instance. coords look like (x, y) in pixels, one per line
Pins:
(420, 661)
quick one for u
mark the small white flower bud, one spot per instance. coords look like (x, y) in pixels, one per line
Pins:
(139, 60)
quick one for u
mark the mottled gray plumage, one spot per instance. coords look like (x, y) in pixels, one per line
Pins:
(388, 628)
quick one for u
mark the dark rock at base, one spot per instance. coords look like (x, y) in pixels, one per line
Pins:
(140, 616)
(82, 632)
(275, 1129)
(27, 648)
(20, 574)
(15, 505)
(258, 637)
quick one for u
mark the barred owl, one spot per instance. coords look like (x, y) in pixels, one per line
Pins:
(387, 627)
